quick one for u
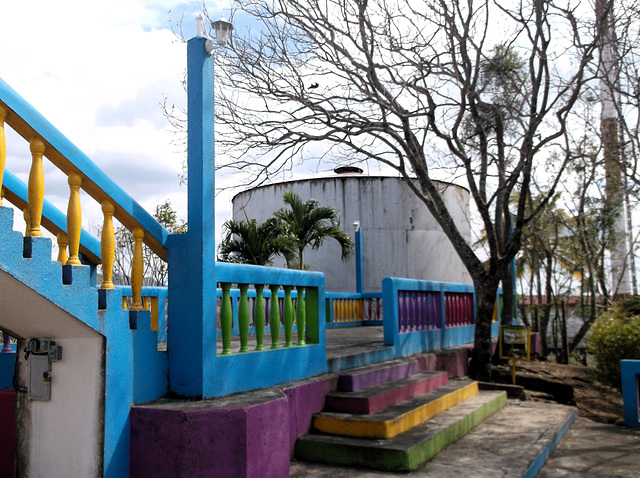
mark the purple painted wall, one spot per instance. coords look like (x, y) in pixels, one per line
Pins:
(190, 441)
(7, 431)
(186, 439)
(305, 400)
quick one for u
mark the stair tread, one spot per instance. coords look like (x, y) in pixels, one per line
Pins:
(397, 418)
(407, 450)
(377, 397)
(363, 377)
(399, 409)
(386, 386)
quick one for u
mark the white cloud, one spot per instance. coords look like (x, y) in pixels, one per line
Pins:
(98, 71)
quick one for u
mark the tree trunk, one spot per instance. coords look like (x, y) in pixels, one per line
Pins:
(480, 367)
(564, 354)
(546, 315)
(508, 296)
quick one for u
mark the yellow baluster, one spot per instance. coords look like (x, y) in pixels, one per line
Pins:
(63, 242)
(3, 146)
(25, 215)
(155, 316)
(36, 187)
(74, 218)
(107, 245)
(137, 270)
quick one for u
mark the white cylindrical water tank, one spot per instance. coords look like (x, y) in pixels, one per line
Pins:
(400, 237)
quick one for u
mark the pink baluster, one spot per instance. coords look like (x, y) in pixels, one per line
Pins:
(6, 338)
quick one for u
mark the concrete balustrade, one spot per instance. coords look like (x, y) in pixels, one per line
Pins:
(348, 309)
(249, 309)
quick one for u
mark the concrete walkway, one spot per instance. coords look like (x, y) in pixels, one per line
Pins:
(591, 449)
(507, 443)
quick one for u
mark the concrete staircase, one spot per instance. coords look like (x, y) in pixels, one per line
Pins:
(395, 417)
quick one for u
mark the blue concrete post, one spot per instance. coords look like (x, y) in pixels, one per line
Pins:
(192, 275)
(630, 371)
(359, 262)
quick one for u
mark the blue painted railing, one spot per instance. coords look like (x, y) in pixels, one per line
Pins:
(427, 315)
(345, 309)
(154, 299)
(283, 359)
(29, 123)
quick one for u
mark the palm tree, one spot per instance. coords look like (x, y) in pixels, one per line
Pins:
(247, 242)
(309, 224)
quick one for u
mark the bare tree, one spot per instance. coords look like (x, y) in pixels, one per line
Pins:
(477, 93)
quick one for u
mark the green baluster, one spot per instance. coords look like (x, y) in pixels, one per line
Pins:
(274, 316)
(258, 317)
(226, 319)
(287, 312)
(300, 315)
(243, 317)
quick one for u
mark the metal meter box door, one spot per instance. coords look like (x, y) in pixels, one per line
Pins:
(40, 354)
(39, 377)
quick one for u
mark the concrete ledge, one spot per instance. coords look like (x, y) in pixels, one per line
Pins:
(630, 371)
(513, 391)
(544, 454)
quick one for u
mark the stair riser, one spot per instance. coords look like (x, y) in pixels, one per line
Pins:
(373, 404)
(359, 381)
(369, 455)
(387, 429)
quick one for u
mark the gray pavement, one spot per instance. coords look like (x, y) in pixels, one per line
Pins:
(591, 449)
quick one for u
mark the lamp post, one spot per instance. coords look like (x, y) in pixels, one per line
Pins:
(192, 272)
(359, 261)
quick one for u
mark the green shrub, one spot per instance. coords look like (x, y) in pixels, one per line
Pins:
(614, 336)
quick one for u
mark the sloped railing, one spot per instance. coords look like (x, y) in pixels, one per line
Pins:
(45, 141)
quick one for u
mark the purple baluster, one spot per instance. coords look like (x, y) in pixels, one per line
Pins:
(412, 311)
(402, 309)
(422, 311)
(447, 314)
(455, 313)
(6, 338)
(251, 301)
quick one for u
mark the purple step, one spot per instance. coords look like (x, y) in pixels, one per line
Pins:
(383, 395)
(365, 377)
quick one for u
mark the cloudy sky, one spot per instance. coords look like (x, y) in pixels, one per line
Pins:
(99, 71)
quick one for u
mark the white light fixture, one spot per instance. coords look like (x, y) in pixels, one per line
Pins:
(356, 225)
(200, 31)
(222, 29)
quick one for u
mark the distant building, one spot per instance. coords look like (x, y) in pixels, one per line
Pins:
(400, 237)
